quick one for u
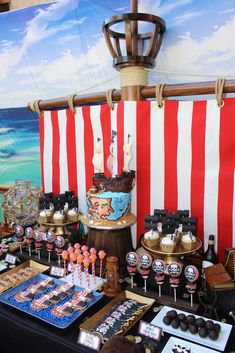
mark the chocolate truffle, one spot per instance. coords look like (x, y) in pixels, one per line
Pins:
(190, 319)
(193, 329)
(217, 327)
(181, 317)
(209, 324)
(203, 332)
(213, 335)
(199, 322)
(172, 314)
(175, 323)
(167, 320)
(183, 326)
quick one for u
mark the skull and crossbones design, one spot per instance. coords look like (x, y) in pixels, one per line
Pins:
(191, 273)
(131, 259)
(174, 269)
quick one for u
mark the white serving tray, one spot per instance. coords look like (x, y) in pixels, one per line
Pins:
(94, 284)
(219, 344)
(195, 348)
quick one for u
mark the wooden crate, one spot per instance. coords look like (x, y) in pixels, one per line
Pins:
(90, 323)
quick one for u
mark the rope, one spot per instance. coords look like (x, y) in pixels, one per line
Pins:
(159, 91)
(109, 98)
(219, 87)
(71, 103)
(34, 106)
(133, 76)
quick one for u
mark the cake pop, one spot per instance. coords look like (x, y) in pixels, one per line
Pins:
(132, 259)
(29, 234)
(174, 270)
(73, 260)
(84, 248)
(70, 249)
(93, 258)
(79, 263)
(50, 237)
(93, 251)
(101, 255)
(86, 254)
(159, 268)
(65, 256)
(19, 230)
(191, 273)
(59, 244)
(38, 241)
(86, 263)
(77, 246)
(145, 264)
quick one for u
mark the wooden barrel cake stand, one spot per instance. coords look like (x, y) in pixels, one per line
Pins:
(115, 240)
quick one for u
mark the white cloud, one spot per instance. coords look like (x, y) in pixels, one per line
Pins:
(191, 55)
(227, 11)
(36, 29)
(159, 7)
(185, 17)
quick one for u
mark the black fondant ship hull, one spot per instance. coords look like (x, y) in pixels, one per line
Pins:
(119, 183)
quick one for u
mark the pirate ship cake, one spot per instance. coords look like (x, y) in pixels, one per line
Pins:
(109, 199)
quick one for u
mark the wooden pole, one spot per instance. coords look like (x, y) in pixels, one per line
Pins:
(174, 90)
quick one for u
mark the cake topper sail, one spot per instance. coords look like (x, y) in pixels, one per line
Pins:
(118, 183)
(127, 155)
(98, 158)
(111, 158)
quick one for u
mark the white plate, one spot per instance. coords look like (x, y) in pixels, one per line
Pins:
(95, 284)
(195, 348)
(219, 344)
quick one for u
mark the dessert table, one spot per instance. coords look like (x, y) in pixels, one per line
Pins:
(25, 333)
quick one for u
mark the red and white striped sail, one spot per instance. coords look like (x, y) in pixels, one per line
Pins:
(184, 155)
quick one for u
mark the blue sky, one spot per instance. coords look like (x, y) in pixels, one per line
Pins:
(56, 49)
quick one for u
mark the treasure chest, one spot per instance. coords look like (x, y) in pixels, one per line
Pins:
(229, 261)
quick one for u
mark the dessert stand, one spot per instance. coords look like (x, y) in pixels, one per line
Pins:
(60, 229)
(179, 251)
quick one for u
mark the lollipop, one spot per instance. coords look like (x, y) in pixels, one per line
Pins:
(84, 248)
(19, 235)
(59, 244)
(101, 255)
(70, 249)
(93, 258)
(73, 260)
(38, 241)
(65, 256)
(145, 264)
(29, 234)
(191, 273)
(77, 251)
(50, 237)
(174, 270)
(159, 268)
(132, 259)
(86, 263)
(79, 263)
(77, 246)
(86, 254)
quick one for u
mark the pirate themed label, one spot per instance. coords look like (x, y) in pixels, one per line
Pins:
(145, 260)
(38, 236)
(29, 233)
(174, 269)
(11, 259)
(191, 273)
(132, 258)
(50, 236)
(59, 241)
(19, 231)
(149, 330)
(159, 266)
(90, 340)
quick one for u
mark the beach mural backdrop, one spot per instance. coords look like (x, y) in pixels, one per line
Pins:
(57, 49)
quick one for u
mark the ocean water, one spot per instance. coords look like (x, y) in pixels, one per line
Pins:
(19, 146)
